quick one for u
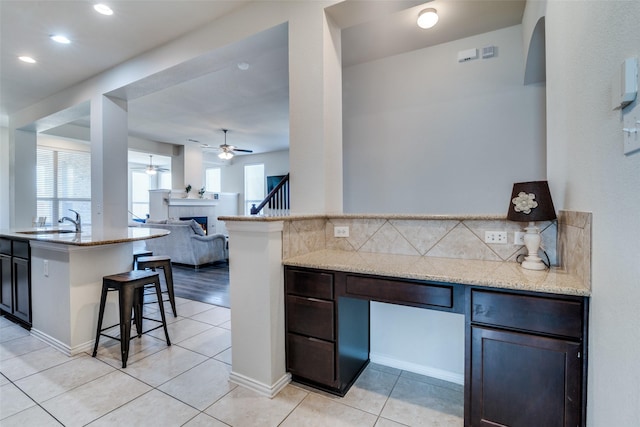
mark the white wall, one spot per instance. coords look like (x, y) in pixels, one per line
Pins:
(426, 134)
(232, 175)
(4, 177)
(586, 42)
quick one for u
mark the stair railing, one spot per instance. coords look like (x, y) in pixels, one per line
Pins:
(277, 199)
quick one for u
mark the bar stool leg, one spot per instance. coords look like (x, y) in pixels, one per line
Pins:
(168, 277)
(138, 309)
(127, 295)
(103, 301)
(164, 319)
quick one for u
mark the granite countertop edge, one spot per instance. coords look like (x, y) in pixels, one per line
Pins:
(297, 217)
(88, 237)
(493, 274)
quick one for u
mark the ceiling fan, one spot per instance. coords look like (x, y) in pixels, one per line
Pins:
(228, 151)
(151, 169)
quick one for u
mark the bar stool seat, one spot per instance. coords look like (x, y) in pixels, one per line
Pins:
(163, 262)
(130, 287)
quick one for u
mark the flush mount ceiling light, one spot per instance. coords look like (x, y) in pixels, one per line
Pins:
(58, 38)
(103, 9)
(27, 59)
(427, 18)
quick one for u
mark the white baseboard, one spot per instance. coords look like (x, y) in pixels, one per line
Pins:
(63, 348)
(269, 391)
(429, 371)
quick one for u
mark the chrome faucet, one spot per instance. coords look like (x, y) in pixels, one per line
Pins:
(77, 221)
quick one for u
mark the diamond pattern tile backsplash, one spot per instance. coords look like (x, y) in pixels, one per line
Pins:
(445, 238)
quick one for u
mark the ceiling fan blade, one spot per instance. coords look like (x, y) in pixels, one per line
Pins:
(243, 151)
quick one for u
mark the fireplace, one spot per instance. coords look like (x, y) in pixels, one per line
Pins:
(202, 220)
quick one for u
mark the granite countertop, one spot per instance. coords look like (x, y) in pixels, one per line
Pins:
(496, 274)
(88, 237)
(264, 218)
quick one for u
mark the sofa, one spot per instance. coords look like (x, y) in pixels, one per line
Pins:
(187, 243)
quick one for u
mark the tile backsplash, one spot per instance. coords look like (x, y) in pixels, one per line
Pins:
(566, 241)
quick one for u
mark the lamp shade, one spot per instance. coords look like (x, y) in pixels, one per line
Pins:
(531, 201)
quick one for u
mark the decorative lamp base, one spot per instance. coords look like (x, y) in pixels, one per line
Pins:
(532, 241)
(533, 264)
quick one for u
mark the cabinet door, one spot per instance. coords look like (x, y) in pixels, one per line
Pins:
(6, 287)
(524, 380)
(22, 289)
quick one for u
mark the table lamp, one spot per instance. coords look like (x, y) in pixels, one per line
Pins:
(531, 202)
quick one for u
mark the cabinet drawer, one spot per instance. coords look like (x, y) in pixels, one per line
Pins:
(309, 284)
(400, 291)
(311, 317)
(5, 246)
(21, 249)
(311, 358)
(531, 313)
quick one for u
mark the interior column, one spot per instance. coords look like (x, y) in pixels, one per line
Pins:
(315, 111)
(109, 163)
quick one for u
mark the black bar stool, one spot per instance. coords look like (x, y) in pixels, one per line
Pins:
(163, 262)
(139, 254)
(130, 288)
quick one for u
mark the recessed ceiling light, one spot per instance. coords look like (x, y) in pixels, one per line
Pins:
(103, 9)
(27, 59)
(243, 66)
(58, 38)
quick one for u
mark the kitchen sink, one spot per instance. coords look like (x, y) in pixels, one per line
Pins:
(46, 232)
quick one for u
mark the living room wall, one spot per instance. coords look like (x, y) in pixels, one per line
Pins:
(232, 174)
(457, 129)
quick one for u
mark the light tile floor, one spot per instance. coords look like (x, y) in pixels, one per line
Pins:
(187, 384)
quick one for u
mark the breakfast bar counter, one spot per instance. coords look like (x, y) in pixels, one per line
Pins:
(64, 279)
(88, 237)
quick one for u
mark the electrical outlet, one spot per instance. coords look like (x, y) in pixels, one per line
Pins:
(518, 238)
(495, 237)
(341, 231)
(45, 268)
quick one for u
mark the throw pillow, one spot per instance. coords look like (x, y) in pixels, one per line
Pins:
(196, 228)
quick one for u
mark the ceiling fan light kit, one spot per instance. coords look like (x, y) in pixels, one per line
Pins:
(151, 169)
(228, 151)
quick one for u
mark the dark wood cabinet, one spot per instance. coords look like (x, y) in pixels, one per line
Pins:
(525, 360)
(320, 351)
(525, 352)
(15, 273)
(6, 290)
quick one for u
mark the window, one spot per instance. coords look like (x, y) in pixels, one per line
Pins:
(63, 182)
(139, 194)
(253, 186)
(212, 180)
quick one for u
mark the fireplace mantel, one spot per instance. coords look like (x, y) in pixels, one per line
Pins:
(190, 202)
(165, 204)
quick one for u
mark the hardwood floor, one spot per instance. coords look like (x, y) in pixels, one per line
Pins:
(208, 284)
